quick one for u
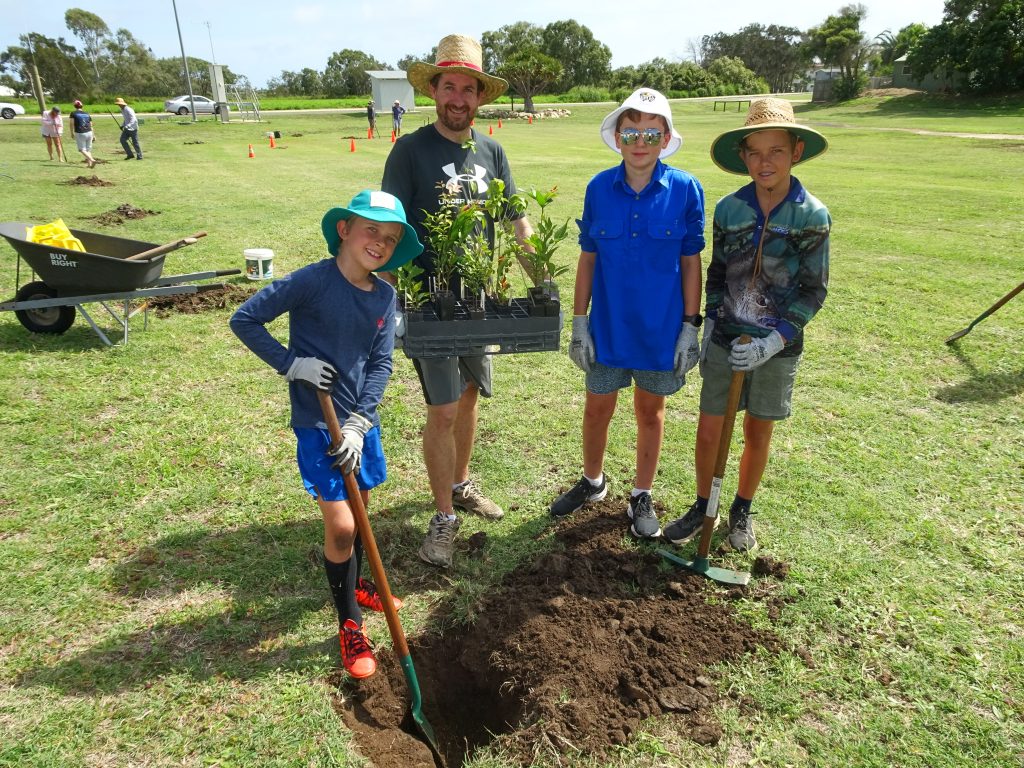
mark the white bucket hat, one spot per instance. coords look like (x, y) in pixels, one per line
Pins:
(643, 100)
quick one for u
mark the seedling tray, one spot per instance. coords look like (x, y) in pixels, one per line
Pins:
(503, 330)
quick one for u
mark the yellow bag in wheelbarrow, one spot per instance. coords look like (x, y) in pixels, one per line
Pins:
(55, 234)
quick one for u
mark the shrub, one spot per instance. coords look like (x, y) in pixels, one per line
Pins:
(584, 94)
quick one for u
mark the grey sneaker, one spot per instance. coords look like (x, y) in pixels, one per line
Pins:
(439, 545)
(683, 528)
(645, 519)
(469, 499)
(578, 495)
(741, 530)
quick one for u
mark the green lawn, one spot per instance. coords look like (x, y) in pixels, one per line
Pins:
(157, 603)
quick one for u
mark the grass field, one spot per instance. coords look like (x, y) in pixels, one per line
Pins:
(158, 605)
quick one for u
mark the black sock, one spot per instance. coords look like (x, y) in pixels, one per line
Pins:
(702, 504)
(342, 578)
(739, 503)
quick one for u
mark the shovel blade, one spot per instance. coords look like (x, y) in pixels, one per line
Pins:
(704, 568)
(416, 707)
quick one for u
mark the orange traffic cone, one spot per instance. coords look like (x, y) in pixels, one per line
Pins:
(490, 130)
(499, 122)
(531, 119)
(272, 144)
(392, 137)
(251, 153)
(351, 145)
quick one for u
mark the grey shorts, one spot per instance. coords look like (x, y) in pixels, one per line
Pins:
(84, 141)
(444, 379)
(603, 380)
(767, 392)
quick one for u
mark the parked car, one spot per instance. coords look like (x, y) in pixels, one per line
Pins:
(8, 110)
(181, 105)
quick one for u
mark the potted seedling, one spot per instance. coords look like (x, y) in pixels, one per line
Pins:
(448, 231)
(409, 286)
(544, 243)
(507, 248)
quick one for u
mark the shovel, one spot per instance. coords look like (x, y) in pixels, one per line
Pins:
(985, 314)
(380, 578)
(700, 563)
(172, 246)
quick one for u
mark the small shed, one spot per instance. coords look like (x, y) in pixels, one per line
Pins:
(903, 77)
(387, 86)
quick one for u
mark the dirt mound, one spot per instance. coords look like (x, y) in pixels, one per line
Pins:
(88, 181)
(214, 297)
(567, 656)
(122, 213)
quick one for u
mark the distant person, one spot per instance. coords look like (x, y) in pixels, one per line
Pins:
(52, 130)
(767, 278)
(129, 130)
(341, 320)
(371, 117)
(81, 127)
(641, 236)
(397, 110)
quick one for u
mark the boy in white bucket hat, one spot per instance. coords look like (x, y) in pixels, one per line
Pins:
(341, 321)
(767, 278)
(639, 272)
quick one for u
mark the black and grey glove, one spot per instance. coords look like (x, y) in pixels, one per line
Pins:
(312, 372)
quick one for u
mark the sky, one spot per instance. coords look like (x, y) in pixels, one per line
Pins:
(262, 38)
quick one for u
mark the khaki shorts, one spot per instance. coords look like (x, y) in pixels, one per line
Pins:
(767, 391)
(444, 379)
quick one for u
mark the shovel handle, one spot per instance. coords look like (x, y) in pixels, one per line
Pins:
(355, 501)
(172, 246)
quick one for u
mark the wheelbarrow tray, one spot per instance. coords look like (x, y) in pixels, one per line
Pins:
(101, 268)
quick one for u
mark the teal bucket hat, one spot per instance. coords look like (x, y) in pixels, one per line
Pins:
(375, 206)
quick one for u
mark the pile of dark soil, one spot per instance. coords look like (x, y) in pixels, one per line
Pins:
(88, 181)
(215, 297)
(121, 214)
(567, 656)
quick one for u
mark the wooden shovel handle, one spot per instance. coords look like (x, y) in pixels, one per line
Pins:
(172, 246)
(355, 501)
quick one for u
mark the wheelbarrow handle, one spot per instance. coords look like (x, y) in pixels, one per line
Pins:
(172, 246)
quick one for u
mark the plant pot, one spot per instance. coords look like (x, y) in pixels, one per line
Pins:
(444, 305)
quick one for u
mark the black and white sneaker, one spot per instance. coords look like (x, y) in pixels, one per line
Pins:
(645, 519)
(578, 495)
(684, 527)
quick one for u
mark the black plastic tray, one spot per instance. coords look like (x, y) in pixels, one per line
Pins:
(503, 330)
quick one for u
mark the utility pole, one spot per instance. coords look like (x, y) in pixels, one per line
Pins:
(209, 32)
(184, 61)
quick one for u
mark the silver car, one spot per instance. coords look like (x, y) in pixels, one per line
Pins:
(181, 105)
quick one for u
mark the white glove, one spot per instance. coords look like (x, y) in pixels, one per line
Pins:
(747, 357)
(687, 350)
(399, 328)
(581, 347)
(350, 452)
(313, 373)
(705, 339)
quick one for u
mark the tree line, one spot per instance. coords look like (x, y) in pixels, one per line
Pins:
(980, 41)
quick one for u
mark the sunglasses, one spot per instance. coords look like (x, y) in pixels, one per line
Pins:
(630, 136)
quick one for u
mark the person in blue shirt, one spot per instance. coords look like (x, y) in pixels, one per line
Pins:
(767, 278)
(639, 272)
(341, 325)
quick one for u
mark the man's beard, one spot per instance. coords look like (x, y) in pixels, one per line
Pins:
(456, 122)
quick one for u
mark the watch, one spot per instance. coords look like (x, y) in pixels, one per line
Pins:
(694, 320)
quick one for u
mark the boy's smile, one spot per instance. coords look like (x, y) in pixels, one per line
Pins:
(770, 156)
(367, 244)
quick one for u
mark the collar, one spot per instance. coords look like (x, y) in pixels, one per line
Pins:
(796, 194)
(657, 177)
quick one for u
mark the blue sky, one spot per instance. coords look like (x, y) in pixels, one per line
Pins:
(260, 38)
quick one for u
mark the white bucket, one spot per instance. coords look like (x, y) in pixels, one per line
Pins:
(259, 263)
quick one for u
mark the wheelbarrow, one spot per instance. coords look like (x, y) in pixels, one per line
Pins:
(110, 269)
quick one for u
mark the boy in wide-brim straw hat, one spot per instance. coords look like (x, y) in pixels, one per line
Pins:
(767, 278)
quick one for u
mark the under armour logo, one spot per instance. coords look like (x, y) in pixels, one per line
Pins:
(475, 182)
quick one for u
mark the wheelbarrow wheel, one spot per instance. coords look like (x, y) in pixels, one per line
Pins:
(43, 319)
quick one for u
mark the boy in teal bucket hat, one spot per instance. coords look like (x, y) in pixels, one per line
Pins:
(341, 321)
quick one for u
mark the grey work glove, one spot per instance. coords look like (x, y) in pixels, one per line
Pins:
(399, 328)
(312, 372)
(581, 347)
(747, 357)
(705, 339)
(687, 350)
(349, 454)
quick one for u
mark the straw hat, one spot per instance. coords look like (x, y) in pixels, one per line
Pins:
(643, 100)
(120, 102)
(764, 115)
(457, 53)
(376, 206)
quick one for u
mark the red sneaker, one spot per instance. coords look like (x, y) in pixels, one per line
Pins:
(367, 596)
(355, 651)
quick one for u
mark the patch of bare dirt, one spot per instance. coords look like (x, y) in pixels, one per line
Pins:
(214, 297)
(892, 92)
(566, 657)
(88, 181)
(121, 214)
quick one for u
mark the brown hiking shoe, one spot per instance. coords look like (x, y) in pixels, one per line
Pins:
(469, 499)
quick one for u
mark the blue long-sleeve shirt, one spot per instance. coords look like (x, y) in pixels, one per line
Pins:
(330, 319)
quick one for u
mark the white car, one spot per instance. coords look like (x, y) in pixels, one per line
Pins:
(181, 105)
(8, 110)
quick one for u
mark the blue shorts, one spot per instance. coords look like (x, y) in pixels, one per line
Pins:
(603, 380)
(321, 479)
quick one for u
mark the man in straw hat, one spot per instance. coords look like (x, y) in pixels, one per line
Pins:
(449, 158)
(129, 130)
(767, 278)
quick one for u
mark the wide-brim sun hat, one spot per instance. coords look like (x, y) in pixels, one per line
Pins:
(120, 102)
(457, 53)
(376, 206)
(767, 114)
(643, 100)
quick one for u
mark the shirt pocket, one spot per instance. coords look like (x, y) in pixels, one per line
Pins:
(606, 230)
(666, 245)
